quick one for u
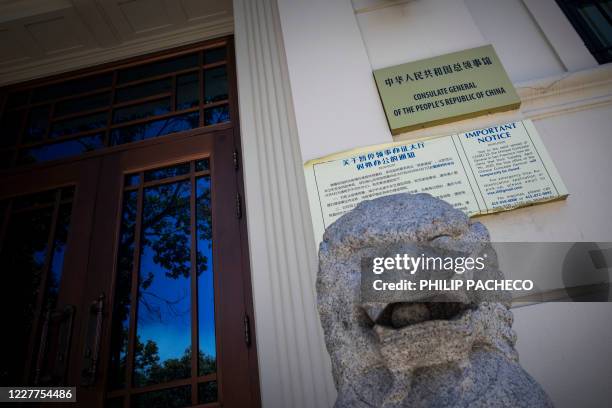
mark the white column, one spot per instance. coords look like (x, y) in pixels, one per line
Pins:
(336, 101)
(295, 370)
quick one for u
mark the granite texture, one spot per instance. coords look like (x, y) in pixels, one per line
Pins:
(459, 353)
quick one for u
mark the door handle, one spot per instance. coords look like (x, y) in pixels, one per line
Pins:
(91, 353)
(56, 321)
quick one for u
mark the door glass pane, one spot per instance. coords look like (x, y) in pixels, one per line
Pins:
(6, 158)
(114, 403)
(10, 127)
(123, 288)
(67, 193)
(207, 358)
(143, 90)
(36, 126)
(22, 260)
(187, 91)
(3, 205)
(80, 124)
(60, 150)
(16, 99)
(218, 114)
(215, 84)
(142, 110)
(57, 257)
(72, 87)
(131, 179)
(157, 68)
(154, 128)
(34, 200)
(81, 104)
(163, 330)
(126, 103)
(202, 165)
(165, 172)
(207, 392)
(214, 55)
(26, 263)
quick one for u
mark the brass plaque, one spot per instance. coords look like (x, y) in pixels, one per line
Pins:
(443, 89)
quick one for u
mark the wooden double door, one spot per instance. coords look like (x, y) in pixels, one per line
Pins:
(126, 275)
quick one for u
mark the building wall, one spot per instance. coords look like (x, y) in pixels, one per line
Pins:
(332, 48)
(566, 348)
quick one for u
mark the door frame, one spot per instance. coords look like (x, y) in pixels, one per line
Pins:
(107, 155)
(228, 249)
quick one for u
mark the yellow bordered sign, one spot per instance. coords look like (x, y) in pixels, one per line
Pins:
(443, 89)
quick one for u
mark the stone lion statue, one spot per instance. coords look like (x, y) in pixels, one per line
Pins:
(454, 353)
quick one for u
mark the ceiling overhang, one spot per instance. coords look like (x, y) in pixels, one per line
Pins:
(45, 37)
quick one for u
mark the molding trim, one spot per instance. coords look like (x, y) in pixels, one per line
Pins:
(367, 6)
(567, 92)
(295, 370)
(541, 98)
(69, 62)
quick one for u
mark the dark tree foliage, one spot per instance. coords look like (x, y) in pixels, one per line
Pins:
(149, 369)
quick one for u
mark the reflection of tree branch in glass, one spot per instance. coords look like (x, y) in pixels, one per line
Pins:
(162, 350)
(149, 370)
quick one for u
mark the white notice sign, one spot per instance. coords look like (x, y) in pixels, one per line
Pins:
(482, 171)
